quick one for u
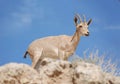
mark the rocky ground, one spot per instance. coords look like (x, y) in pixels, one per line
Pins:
(50, 71)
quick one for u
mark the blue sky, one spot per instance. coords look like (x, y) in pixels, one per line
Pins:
(22, 21)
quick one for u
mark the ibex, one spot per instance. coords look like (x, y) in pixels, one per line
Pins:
(58, 47)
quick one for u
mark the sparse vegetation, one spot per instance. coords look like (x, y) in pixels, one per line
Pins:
(93, 57)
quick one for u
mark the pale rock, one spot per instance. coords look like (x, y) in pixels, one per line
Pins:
(14, 73)
(51, 71)
(55, 71)
(85, 73)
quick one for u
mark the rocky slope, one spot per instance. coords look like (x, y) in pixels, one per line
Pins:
(50, 71)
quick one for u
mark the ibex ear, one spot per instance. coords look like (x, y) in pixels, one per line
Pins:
(89, 21)
(75, 20)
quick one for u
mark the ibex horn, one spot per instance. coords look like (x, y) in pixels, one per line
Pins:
(77, 15)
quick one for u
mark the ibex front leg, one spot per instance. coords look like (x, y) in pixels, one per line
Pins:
(61, 55)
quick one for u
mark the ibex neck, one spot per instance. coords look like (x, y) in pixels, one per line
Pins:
(75, 39)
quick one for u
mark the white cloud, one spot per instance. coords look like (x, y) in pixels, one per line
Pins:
(21, 18)
(113, 27)
(102, 23)
(26, 13)
(24, 16)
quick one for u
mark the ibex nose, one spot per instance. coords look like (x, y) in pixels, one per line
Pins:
(87, 34)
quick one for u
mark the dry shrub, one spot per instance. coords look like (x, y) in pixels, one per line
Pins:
(101, 60)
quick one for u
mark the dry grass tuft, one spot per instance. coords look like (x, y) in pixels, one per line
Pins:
(106, 64)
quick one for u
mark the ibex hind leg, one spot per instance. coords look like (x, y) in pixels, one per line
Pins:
(37, 58)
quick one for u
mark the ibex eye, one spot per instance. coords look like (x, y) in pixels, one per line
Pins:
(80, 26)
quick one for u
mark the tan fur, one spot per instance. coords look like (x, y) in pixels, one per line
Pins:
(57, 47)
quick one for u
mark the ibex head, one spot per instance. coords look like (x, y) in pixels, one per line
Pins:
(82, 26)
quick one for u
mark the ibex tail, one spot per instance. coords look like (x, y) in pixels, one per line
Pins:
(25, 54)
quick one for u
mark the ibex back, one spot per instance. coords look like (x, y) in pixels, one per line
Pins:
(58, 47)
